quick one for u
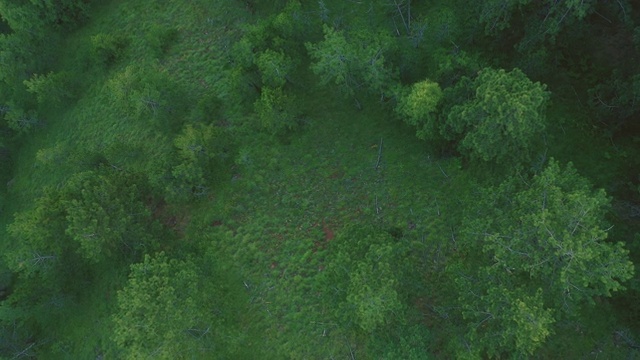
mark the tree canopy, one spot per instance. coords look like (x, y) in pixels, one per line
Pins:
(503, 119)
(383, 179)
(550, 231)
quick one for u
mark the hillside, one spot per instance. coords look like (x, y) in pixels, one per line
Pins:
(318, 180)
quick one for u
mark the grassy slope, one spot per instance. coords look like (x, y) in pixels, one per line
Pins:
(294, 194)
(290, 200)
(285, 201)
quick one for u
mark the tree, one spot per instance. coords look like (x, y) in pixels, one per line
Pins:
(36, 15)
(96, 214)
(365, 268)
(50, 89)
(617, 101)
(555, 230)
(373, 288)
(549, 16)
(418, 107)
(138, 91)
(544, 255)
(276, 110)
(352, 60)
(503, 119)
(274, 68)
(22, 121)
(105, 213)
(502, 320)
(197, 148)
(108, 48)
(39, 238)
(163, 310)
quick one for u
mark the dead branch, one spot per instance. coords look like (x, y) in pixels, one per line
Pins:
(379, 154)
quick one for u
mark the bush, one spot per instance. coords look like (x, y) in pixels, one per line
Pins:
(108, 48)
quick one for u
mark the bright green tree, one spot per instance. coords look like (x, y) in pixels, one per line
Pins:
(163, 312)
(418, 107)
(373, 288)
(504, 118)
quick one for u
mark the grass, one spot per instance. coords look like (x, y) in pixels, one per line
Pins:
(276, 219)
(270, 220)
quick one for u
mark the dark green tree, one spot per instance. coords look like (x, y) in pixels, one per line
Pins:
(38, 15)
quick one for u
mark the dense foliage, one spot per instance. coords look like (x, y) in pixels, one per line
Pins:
(384, 179)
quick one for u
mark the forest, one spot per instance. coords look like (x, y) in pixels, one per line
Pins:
(332, 179)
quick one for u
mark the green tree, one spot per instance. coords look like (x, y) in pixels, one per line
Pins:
(105, 213)
(39, 238)
(554, 230)
(353, 60)
(365, 267)
(543, 255)
(276, 110)
(504, 118)
(549, 16)
(36, 15)
(418, 107)
(163, 311)
(141, 91)
(198, 147)
(22, 121)
(96, 214)
(108, 48)
(373, 288)
(616, 101)
(50, 89)
(503, 319)
(274, 68)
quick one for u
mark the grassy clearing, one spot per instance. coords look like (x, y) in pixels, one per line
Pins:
(271, 219)
(287, 202)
